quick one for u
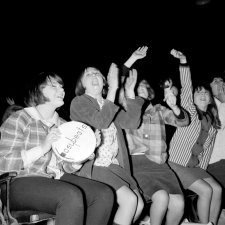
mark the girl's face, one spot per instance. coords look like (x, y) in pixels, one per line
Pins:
(218, 86)
(54, 92)
(92, 81)
(145, 91)
(202, 98)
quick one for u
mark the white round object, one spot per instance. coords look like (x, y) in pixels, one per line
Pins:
(77, 142)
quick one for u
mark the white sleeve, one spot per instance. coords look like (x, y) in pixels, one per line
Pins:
(31, 155)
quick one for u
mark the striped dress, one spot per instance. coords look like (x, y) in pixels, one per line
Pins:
(185, 138)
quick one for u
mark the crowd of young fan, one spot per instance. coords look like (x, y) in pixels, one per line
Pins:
(134, 164)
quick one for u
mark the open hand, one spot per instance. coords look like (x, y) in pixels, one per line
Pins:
(112, 78)
(140, 53)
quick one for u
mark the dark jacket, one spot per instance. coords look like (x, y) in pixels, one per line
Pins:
(85, 109)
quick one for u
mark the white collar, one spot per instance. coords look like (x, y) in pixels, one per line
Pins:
(32, 111)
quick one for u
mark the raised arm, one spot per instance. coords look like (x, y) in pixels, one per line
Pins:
(140, 53)
(112, 80)
(186, 82)
(130, 118)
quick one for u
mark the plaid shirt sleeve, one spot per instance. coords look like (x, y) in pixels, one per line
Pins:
(11, 144)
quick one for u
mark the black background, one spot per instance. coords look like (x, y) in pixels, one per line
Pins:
(65, 38)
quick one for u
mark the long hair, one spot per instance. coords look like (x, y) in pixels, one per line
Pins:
(212, 109)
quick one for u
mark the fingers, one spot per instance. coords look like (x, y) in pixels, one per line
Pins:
(142, 51)
(10, 101)
(54, 135)
(177, 54)
(132, 77)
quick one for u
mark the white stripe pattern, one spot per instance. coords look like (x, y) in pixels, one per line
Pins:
(184, 138)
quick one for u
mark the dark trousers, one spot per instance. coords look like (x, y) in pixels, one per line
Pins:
(73, 199)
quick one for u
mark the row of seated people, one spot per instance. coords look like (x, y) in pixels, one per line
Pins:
(102, 190)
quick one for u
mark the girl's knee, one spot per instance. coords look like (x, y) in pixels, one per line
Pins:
(206, 191)
(161, 196)
(178, 202)
(217, 189)
(106, 195)
(71, 196)
(132, 198)
(127, 197)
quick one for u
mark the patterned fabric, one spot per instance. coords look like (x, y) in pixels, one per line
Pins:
(22, 131)
(184, 138)
(86, 109)
(150, 138)
(108, 150)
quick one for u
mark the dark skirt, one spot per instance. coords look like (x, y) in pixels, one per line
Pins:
(217, 170)
(115, 176)
(153, 177)
(188, 175)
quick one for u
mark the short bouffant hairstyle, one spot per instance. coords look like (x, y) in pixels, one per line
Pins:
(34, 95)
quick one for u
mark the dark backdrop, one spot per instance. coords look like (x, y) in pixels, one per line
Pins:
(65, 38)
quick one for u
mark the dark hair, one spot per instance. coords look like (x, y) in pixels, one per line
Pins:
(79, 88)
(212, 108)
(34, 95)
(150, 90)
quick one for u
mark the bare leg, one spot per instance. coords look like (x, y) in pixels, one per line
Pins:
(158, 208)
(175, 209)
(127, 201)
(215, 207)
(204, 192)
(140, 205)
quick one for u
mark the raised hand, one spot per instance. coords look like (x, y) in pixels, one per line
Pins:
(112, 78)
(178, 55)
(140, 53)
(130, 83)
(170, 99)
(10, 101)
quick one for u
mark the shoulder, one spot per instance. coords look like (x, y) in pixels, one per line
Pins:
(18, 119)
(82, 99)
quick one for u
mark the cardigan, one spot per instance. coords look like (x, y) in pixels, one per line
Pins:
(86, 109)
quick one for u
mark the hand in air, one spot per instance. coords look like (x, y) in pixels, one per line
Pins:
(140, 53)
(178, 55)
(131, 80)
(10, 101)
(112, 78)
(170, 99)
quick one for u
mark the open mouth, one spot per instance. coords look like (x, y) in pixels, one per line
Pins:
(95, 82)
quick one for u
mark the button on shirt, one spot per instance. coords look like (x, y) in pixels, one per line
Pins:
(150, 137)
